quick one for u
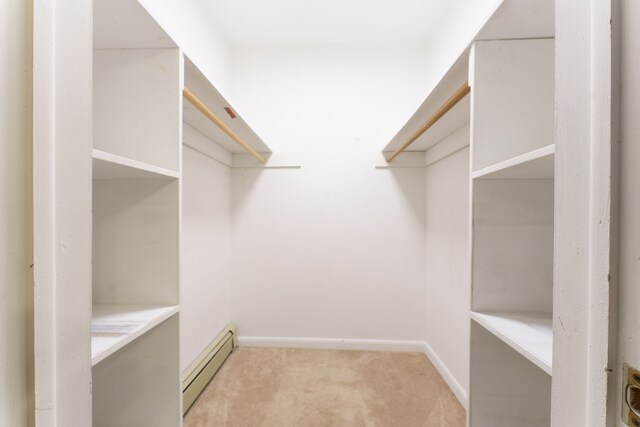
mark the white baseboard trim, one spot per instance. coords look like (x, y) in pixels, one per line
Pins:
(448, 377)
(332, 343)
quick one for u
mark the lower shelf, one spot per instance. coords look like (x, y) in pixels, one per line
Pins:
(529, 335)
(115, 326)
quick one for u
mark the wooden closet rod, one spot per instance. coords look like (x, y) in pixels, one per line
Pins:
(211, 116)
(449, 104)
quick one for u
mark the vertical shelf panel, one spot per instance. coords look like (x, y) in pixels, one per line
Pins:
(137, 132)
(137, 104)
(512, 246)
(139, 385)
(507, 390)
(512, 101)
(135, 251)
(512, 169)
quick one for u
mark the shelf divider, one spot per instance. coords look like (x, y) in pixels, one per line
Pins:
(115, 326)
(536, 164)
(528, 334)
(112, 166)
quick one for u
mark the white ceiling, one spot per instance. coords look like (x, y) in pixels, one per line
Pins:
(266, 22)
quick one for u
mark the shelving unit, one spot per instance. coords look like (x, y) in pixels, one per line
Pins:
(509, 66)
(512, 171)
(137, 159)
(140, 79)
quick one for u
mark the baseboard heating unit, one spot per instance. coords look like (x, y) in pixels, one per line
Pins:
(202, 370)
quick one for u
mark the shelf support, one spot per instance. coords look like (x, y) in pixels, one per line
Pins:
(220, 124)
(449, 104)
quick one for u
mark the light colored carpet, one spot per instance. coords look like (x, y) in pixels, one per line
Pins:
(266, 387)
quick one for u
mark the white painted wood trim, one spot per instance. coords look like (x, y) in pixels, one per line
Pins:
(585, 259)
(62, 93)
(197, 141)
(332, 343)
(406, 159)
(452, 382)
(458, 140)
(279, 160)
(44, 271)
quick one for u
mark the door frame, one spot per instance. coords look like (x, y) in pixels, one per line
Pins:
(62, 133)
(586, 188)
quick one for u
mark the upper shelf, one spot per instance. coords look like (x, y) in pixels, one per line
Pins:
(201, 87)
(520, 19)
(453, 120)
(512, 19)
(126, 24)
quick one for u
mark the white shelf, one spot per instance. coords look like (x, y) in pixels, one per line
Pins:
(520, 19)
(455, 118)
(125, 24)
(536, 164)
(529, 335)
(115, 326)
(215, 101)
(111, 166)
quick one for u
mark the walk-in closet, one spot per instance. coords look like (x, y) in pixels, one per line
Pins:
(285, 213)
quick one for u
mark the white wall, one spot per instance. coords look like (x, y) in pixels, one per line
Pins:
(334, 249)
(15, 213)
(447, 265)
(205, 251)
